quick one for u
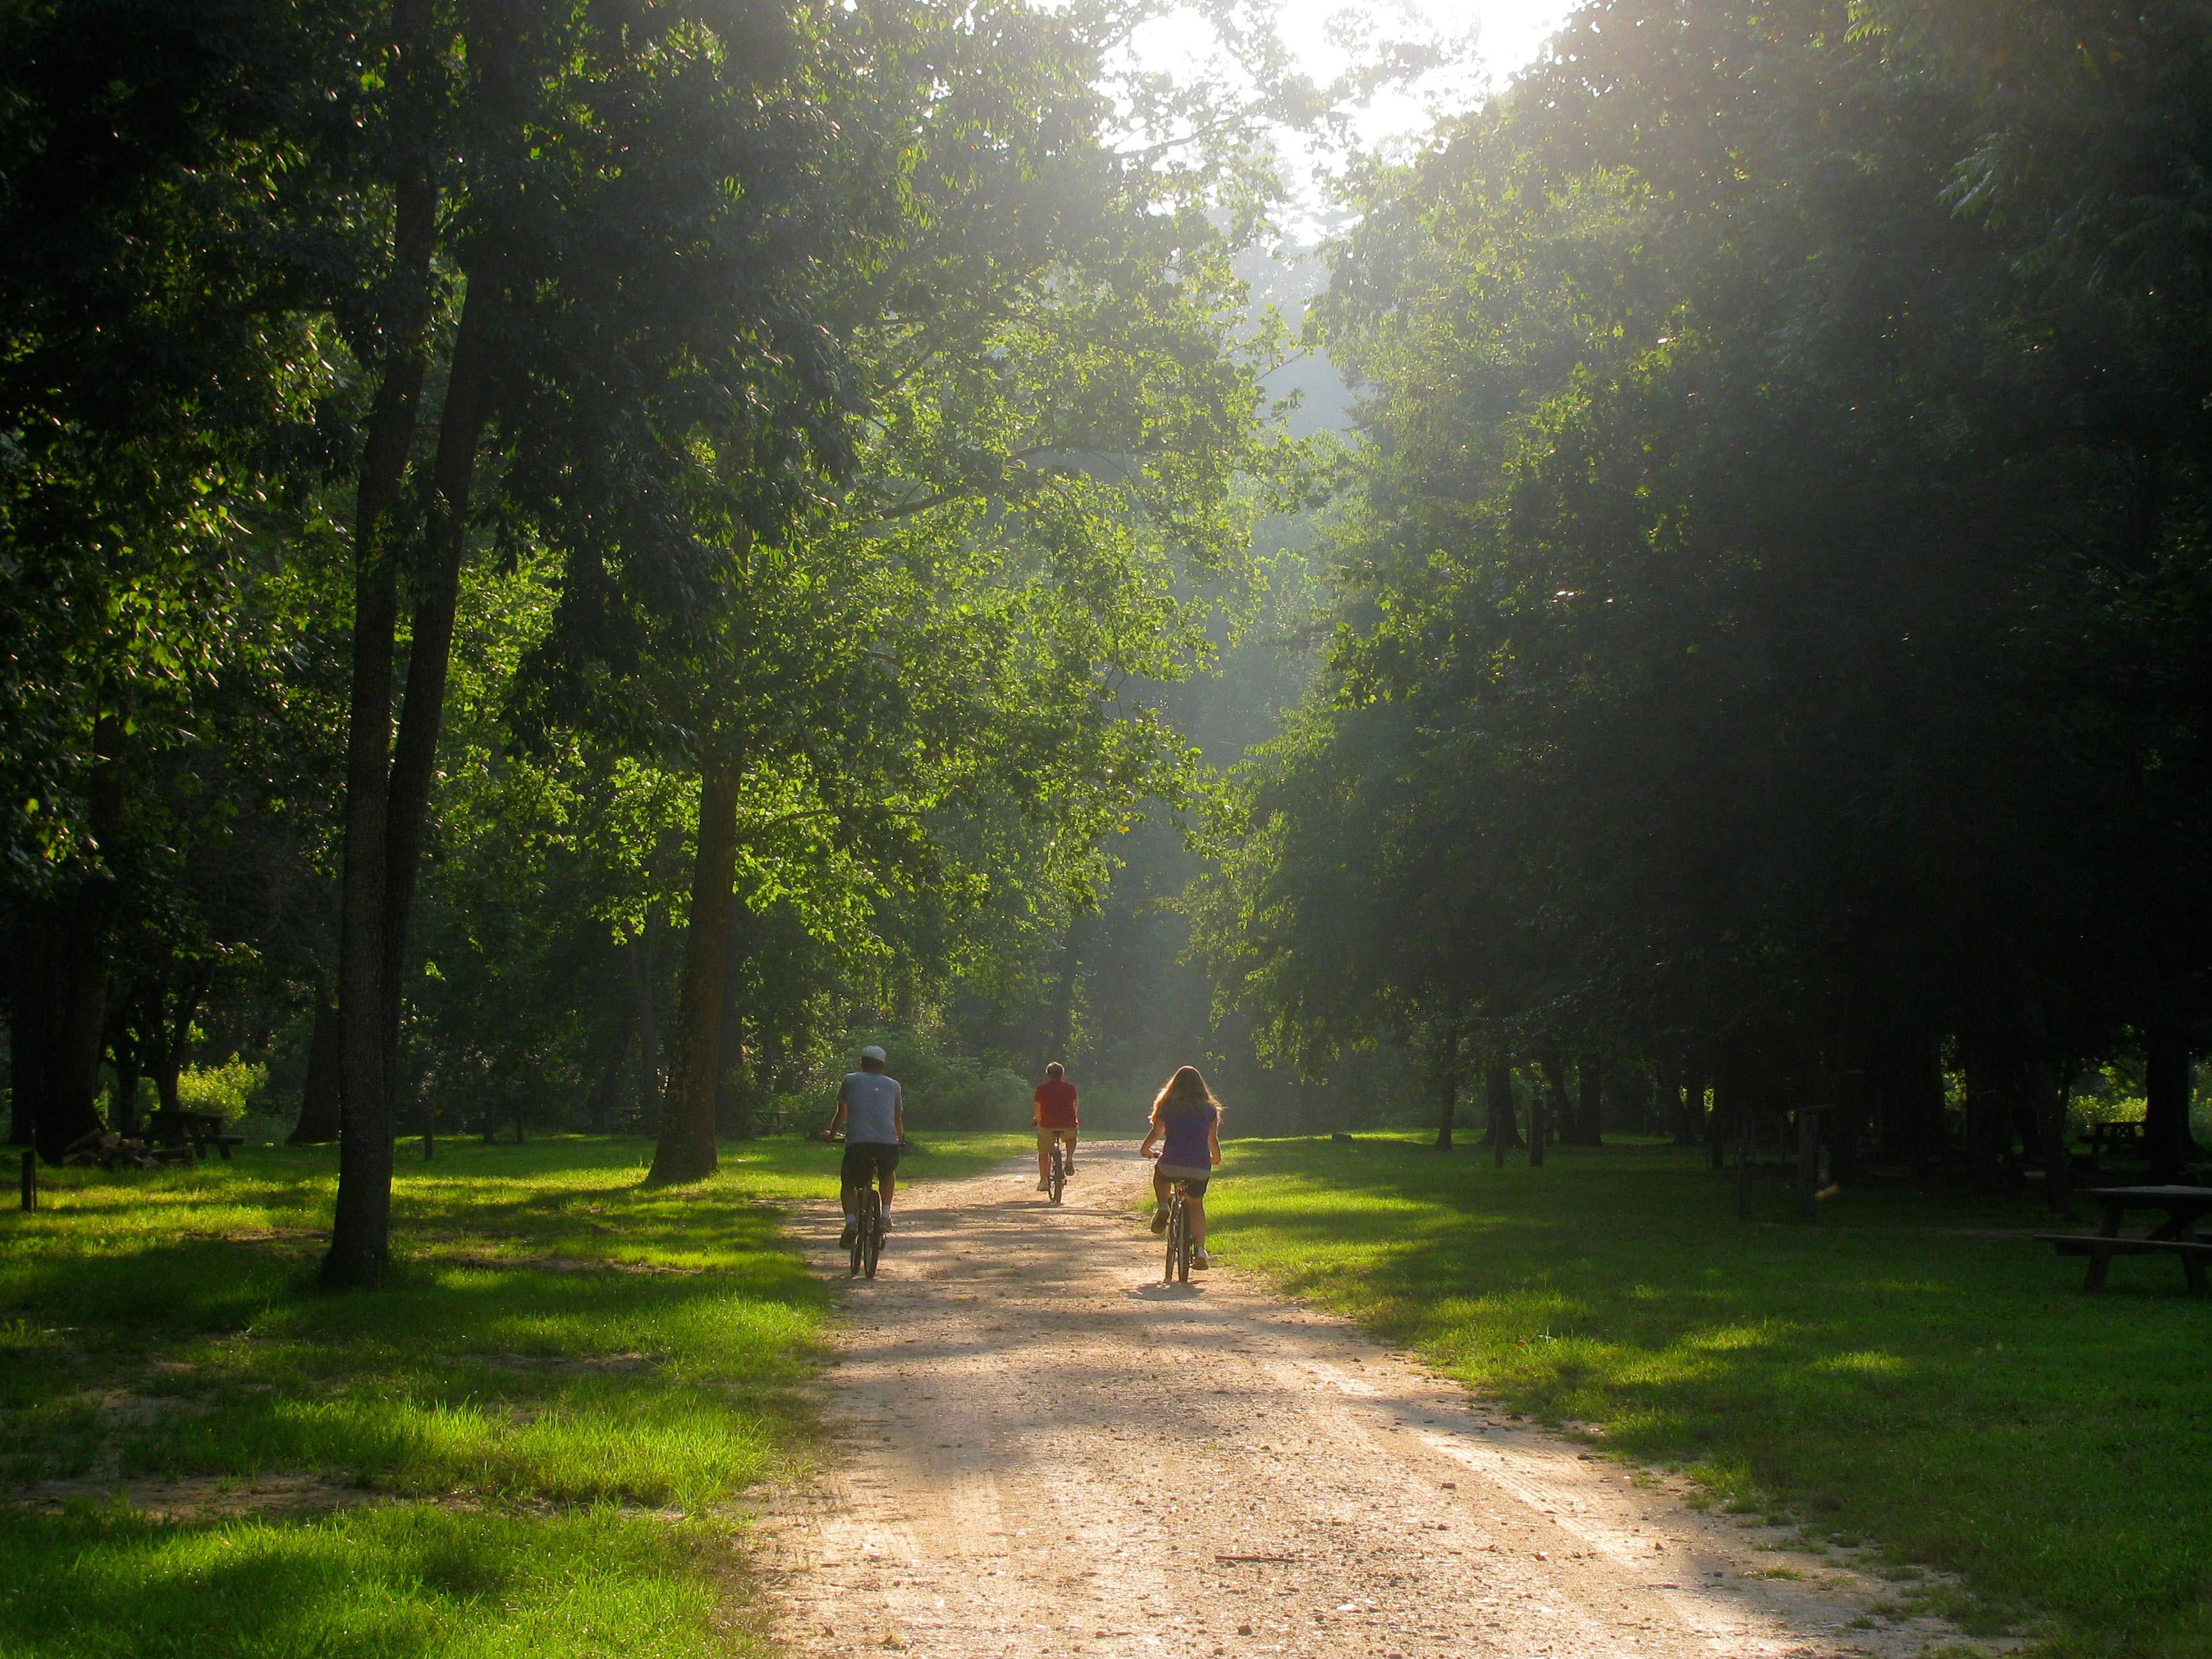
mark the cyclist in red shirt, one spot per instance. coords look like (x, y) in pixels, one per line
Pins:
(1053, 1116)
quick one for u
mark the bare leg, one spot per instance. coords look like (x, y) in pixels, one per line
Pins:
(1160, 1185)
(1197, 1223)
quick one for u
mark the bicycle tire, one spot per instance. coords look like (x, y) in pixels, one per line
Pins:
(875, 1251)
(1184, 1247)
(864, 1243)
(1059, 1170)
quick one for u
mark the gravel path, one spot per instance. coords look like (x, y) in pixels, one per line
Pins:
(1044, 1452)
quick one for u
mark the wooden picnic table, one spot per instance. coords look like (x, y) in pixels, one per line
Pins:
(2176, 1236)
(198, 1130)
(2125, 1137)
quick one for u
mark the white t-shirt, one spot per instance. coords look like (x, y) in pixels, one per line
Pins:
(872, 1100)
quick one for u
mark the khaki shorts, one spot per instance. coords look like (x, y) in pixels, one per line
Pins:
(1047, 1136)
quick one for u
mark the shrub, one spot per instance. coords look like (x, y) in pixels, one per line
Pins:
(228, 1089)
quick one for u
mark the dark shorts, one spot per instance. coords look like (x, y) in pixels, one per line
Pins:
(866, 1159)
(1195, 1185)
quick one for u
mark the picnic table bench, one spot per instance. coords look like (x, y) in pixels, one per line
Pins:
(2118, 1139)
(197, 1130)
(2175, 1237)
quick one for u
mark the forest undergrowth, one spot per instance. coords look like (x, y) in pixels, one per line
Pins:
(526, 1445)
(1912, 1371)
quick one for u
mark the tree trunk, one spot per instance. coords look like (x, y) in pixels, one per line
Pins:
(646, 1024)
(123, 1107)
(57, 1022)
(1589, 1126)
(608, 1091)
(1553, 1107)
(2166, 1090)
(322, 1094)
(2048, 1089)
(361, 1223)
(1728, 1073)
(1989, 1113)
(1444, 1080)
(1912, 1127)
(1498, 1095)
(733, 1091)
(685, 1151)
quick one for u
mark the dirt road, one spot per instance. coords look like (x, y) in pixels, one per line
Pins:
(1044, 1452)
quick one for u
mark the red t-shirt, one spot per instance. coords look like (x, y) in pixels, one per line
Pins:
(1055, 1103)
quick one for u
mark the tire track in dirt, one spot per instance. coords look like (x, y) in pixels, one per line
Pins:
(1043, 1451)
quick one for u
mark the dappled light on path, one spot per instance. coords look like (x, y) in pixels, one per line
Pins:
(1044, 1451)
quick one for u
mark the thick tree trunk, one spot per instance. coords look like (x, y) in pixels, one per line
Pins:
(2166, 1090)
(123, 1104)
(1912, 1127)
(1589, 1121)
(1555, 1108)
(322, 1094)
(1443, 1081)
(56, 1030)
(74, 976)
(1728, 1086)
(1690, 1128)
(2048, 1088)
(1497, 1096)
(1989, 1112)
(685, 1151)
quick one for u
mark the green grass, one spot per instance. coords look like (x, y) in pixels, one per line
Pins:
(1896, 1372)
(524, 1446)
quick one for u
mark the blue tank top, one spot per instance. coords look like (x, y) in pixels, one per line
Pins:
(1186, 1146)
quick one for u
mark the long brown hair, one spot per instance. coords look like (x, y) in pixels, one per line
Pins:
(1185, 1096)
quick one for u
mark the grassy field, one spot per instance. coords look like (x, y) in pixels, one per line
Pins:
(1903, 1372)
(522, 1448)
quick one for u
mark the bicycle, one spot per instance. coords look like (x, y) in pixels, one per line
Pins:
(1059, 1167)
(868, 1234)
(1179, 1244)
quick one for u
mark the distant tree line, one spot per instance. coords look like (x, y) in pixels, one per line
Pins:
(1770, 642)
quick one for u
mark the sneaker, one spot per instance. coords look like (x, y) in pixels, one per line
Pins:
(845, 1239)
(883, 1225)
(1043, 1186)
(1160, 1219)
(1199, 1259)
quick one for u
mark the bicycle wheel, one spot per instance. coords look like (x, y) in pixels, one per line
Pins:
(1058, 1169)
(872, 1236)
(1182, 1243)
(864, 1230)
(1175, 1239)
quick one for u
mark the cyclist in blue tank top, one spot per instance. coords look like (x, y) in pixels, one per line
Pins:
(1187, 1118)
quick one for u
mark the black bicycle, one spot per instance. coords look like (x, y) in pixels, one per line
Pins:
(1179, 1243)
(868, 1235)
(1059, 1167)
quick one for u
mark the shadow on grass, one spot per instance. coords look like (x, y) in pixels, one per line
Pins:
(1894, 1371)
(557, 1341)
(390, 1583)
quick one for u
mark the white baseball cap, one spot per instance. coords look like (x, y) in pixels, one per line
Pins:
(872, 1052)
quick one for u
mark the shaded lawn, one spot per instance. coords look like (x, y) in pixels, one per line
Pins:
(1895, 1373)
(519, 1447)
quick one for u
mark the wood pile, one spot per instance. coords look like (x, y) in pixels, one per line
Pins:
(104, 1149)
